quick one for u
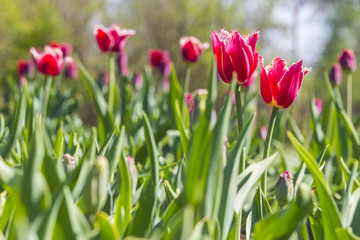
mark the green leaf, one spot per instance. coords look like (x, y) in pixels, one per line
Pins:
(354, 211)
(226, 212)
(347, 196)
(248, 179)
(184, 133)
(106, 231)
(330, 213)
(212, 90)
(146, 206)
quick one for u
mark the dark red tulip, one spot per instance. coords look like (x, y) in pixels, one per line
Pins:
(50, 61)
(347, 60)
(234, 52)
(191, 48)
(280, 85)
(335, 74)
(160, 59)
(112, 39)
(25, 67)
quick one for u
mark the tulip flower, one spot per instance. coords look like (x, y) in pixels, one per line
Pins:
(122, 63)
(25, 68)
(66, 48)
(347, 60)
(318, 104)
(189, 101)
(137, 80)
(284, 189)
(160, 59)
(234, 52)
(50, 61)
(335, 74)
(280, 85)
(191, 48)
(263, 132)
(112, 38)
(71, 69)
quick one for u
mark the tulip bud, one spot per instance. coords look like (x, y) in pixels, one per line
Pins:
(137, 80)
(335, 74)
(189, 101)
(191, 48)
(122, 63)
(284, 189)
(318, 104)
(263, 132)
(95, 190)
(347, 60)
(69, 162)
(71, 69)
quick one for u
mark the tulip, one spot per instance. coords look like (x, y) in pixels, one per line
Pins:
(50, 61)
(284, 189)
(161, 59)
(122, 63)
(112, 38)
(280, 85)
(137, 80)
(263, 132)
(25, 68)
(191, 48)
(234, 52)
(69, 162)
(66, 48)
(347, 60)
(189, 101)
(318, 104)
(335, 74)
(71, 69)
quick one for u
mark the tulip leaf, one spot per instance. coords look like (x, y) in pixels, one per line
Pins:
(184, 135)
(330, 212)
(106, 231)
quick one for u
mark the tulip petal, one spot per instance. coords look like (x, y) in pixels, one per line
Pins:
(265, 87)
(190, 51)
(48, 65)
(104, 38)
(289, 85)
(237, 51)
(223, 62)
(253, 40)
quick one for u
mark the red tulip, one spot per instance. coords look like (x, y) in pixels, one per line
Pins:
(25, 67)
(50, 61)
(280, 85)
(347, 60)
(335, 74)
(160, 59)
(112, 39)
(234, 52)
(191, 48)
(66, 48)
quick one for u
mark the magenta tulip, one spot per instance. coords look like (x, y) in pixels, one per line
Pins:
(347, 60)
(191, 48)
(335, 74)
(280, 85)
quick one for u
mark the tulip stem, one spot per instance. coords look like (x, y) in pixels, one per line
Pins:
(239, 110)
(46, 93)
(349, 94)
(186, 87)
(268, 144)
(111, 83)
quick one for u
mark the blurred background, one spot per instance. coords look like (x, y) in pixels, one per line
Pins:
(314, 31)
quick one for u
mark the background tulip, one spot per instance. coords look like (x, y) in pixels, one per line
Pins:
(191, 48)
(122, 63)
(71, 70)
(280, 85)
(347, 60)
(112, 39)
(318, 104)
(335, 74)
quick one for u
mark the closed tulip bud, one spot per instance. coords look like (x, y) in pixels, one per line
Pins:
(335, 74)
(263, 132)
(318, 104)
(137, 80)
(122, 63)
(112, 38)
(189, 101)
(284, 189)
(95, 189)
(347, 60)
(234, 52)
(50, 61)
(191, 48)
(25, 68)
(71, 69)
(279, 84)
(69, 162)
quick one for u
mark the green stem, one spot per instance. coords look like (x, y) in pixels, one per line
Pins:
(349, 94)
(45, 99)
(268, 144)
(111, 66)
(239, 110)
(186, 87)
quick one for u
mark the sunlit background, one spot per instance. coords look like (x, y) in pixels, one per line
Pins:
(314, 31)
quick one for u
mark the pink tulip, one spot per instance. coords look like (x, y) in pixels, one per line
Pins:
(234, 52)
(190, 101)
(122, 63)
(318, 104)
(347, 60)
(335, 74)
(71, 69)
(280, 85)
(191, 48)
